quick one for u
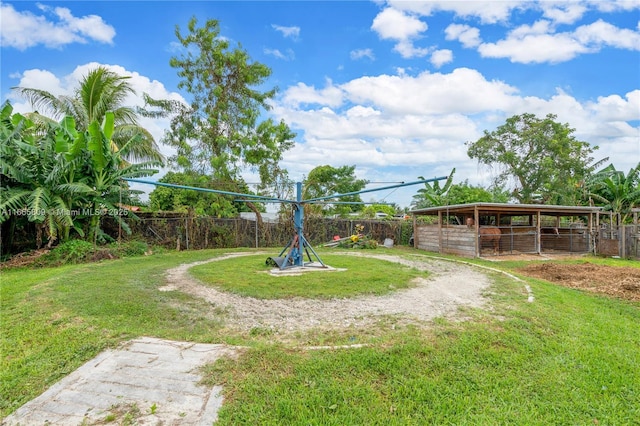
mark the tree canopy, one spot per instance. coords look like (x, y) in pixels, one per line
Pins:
(221, 133)
(541, 157)
(200, 203)
(325, 180)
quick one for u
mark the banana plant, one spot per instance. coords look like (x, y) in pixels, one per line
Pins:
(33, 169)
(433, 195)
(58, 177)
(104, 185)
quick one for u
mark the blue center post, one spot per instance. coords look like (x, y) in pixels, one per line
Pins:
(299, 244)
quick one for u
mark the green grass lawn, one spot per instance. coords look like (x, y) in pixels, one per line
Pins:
(567, 358)
(248, 276)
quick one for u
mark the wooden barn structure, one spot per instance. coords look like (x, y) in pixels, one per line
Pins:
(470, 229)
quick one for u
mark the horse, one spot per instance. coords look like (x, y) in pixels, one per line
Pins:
(489, 234)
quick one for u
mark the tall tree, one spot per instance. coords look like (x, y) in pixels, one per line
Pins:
(541, 157)
(99, 92)
(324, 181)
(219, 133)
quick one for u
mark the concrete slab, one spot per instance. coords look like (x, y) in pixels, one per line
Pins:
(153, 381)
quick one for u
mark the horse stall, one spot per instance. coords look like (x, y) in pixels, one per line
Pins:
(492, 229)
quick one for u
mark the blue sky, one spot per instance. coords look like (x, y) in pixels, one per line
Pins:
(394, 88)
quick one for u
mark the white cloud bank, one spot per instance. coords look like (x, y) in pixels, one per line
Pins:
(55, 28)
(418, 125)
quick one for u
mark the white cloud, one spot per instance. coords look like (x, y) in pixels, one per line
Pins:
(396, 25)
(489, 12)
(538, 43)
(534, 48)
(468, 36)
(563, 11)
(301, 94)
(492, 12)
(393, 24)
(288, 56)
(292, 32)
(617, 108)
(614, 5)
(407, 126)
(91, 26)
(602, 33)
(463, 90)
(441, 57)
(540, 27)
(23, 30)
(362, 53)
(406, 49)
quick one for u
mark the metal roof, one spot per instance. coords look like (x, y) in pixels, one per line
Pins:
(519, 209)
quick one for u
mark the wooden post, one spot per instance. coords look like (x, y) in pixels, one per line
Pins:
(440, 250)
(476, 227)
(623, 237)
(538, 233)
(415, 232)
(256, 232)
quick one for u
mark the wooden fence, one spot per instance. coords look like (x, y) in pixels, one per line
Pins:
(622, 241)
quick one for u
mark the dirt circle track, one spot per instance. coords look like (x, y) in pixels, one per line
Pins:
(448, 287)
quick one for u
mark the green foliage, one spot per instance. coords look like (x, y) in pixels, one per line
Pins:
(372, 210)
(219, 133)
(201, 203)
(324, 181)
(38, 174)
(433, 194)
(130, 248)
(80, 251)
(464, 193)
(61, 178)
(100, 92)
(540, 156)
(615, 191)
(73, 251)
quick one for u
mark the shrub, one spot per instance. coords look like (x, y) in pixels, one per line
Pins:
(130, 248)
(73, 251)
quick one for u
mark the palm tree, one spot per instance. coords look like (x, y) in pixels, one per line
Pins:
(616, 191)
(100, 91)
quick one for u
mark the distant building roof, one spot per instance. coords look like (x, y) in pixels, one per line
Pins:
(266, 217)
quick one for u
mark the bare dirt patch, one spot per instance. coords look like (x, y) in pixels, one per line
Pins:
(449, 287)
(621, 282)
(24, 259)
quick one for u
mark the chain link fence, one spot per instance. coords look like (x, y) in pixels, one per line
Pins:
(180, 231)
